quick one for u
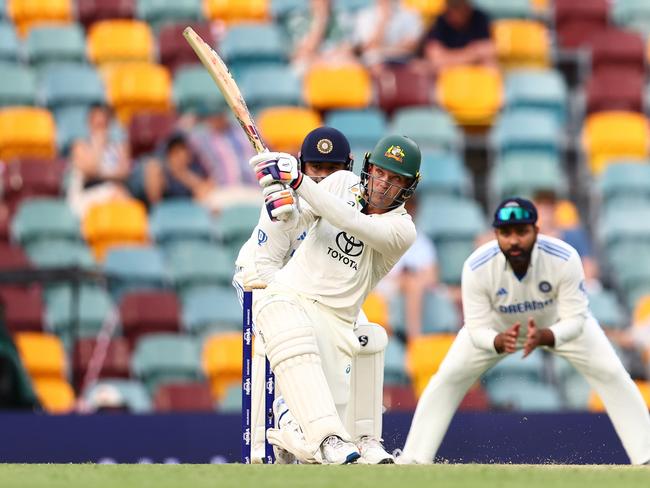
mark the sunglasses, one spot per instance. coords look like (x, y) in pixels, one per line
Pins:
(507, 214)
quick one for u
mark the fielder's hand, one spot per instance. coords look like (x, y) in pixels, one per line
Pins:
(276, 167)
(507, 341)
(280, 201)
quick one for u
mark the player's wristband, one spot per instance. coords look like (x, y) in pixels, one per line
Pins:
(296, 183)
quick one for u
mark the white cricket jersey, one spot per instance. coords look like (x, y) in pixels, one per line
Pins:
(552, 293)
(346, 252)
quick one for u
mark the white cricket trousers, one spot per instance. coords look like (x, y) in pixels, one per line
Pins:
(590, 353)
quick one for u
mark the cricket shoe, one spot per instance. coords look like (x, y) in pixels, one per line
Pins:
(335, 450)
(372, 452)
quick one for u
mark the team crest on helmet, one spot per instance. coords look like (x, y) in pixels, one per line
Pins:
(396, 153)
(324, 146)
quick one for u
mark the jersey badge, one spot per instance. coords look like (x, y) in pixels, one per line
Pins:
(545, 286)
(502, 292)
(261, 237)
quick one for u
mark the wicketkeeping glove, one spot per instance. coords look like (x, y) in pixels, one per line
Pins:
(276, 167)
(280, 201)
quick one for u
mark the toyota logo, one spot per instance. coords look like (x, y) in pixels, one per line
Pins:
(349, 245)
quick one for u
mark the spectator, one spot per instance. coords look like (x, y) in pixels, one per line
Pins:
(100, 163)
(386, 32)
(460, 36)
(107, 399)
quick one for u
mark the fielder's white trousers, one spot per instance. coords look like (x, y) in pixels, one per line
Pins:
(590, 353)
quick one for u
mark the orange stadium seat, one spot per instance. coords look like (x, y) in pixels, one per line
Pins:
(236, 10)
(472, 94)
(641, 311)
(541, 6)
(27, 132)
(426, 8)
(56, 395)
(139, 87)
(222, 362)
(114, 41)
(522, 43)
(614, 135)
(424, 355)
(42, 354)
(28, 13)
(329, 87)
(595, 404)
(376, 309)
(567, 215)
(284, 128)
(115, 223)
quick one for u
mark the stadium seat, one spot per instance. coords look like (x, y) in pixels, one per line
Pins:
(179, 220)
(530, 130)
(615, 89)
(13, 258)
(614, 135)
(111, 223)
(58, 253)
(632, 15)
(27, 132)
(115, 364)
(22, 308)
(394, 363)
(139, 87)
(51, 44)
(576, 22)
(194, 91)
(148, 130)
(452, 254)
(269, 86)
(522, 43)
(9, 46)
(537, 89)
(42, 354)
(429, 9)
(361, 127)
(622, 180)
(174, 51)
(567, 215)
(403, 86)
(44, 218)
(18, 85)
(235, 225)
(506, 9)
(91, 11)
(439, 314)
(131, 392)
(511, 175)
(56, 395)
(209, 309)
(617, 49)
(29, 13)
(334, 87)
(424, 356)
(71, 85)
(157, 13)
(512, 367)
(26, 178)
(472, 94)
(431, 128)
(442, 217)
(222, 362)
(253, 44)
(233, 11)
(443, 173)
(284, 128)
(641, 311)
(231, 400)
(282, 8)
(4, 225)
(146, 312)
(607, 310)
(523, 395)
(116, 41)
(134, 268)
(376, 309)
(166, 358)
(399, 398)
(184, 397)
(197, 263)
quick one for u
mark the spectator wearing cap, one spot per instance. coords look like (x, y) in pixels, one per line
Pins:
(460, 36)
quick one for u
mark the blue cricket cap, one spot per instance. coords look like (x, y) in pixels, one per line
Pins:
(325, 145)
(513, 211)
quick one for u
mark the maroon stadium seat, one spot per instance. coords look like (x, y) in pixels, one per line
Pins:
(25, 178)
(615, 89)
(399, 398)
(4, 222)
(184, 397)
(476, 399)
(576, 21)
(13, 258)
(616, 48)
(174, 50)
(23, 308)
(149, 311)
(147, 130)
(89, 11)
(403, 86)
(116, 363)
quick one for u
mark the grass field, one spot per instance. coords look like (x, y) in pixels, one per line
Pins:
(435, 476)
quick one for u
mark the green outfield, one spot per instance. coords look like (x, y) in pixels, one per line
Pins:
(436, 476)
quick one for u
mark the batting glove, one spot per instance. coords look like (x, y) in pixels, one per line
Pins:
(280, 201)
(276, 167)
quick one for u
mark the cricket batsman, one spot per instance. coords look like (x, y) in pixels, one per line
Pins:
(324, 151)
(525, 290)
(358, 229)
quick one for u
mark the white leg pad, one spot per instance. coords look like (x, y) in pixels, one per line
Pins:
(294, 356)
(365, 409)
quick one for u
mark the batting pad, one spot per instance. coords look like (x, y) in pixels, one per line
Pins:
(365, 409)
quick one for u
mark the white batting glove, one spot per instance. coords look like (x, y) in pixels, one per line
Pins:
(280, 201)
(276, 167)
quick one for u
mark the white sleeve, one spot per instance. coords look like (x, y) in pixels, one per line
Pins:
(388, 236)
(477, 311)
(273, 241)
(573, 305)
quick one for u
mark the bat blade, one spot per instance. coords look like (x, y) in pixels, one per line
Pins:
(227, 85)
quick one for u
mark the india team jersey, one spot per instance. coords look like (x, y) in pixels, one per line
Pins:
(552, 293)
(345, 252)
